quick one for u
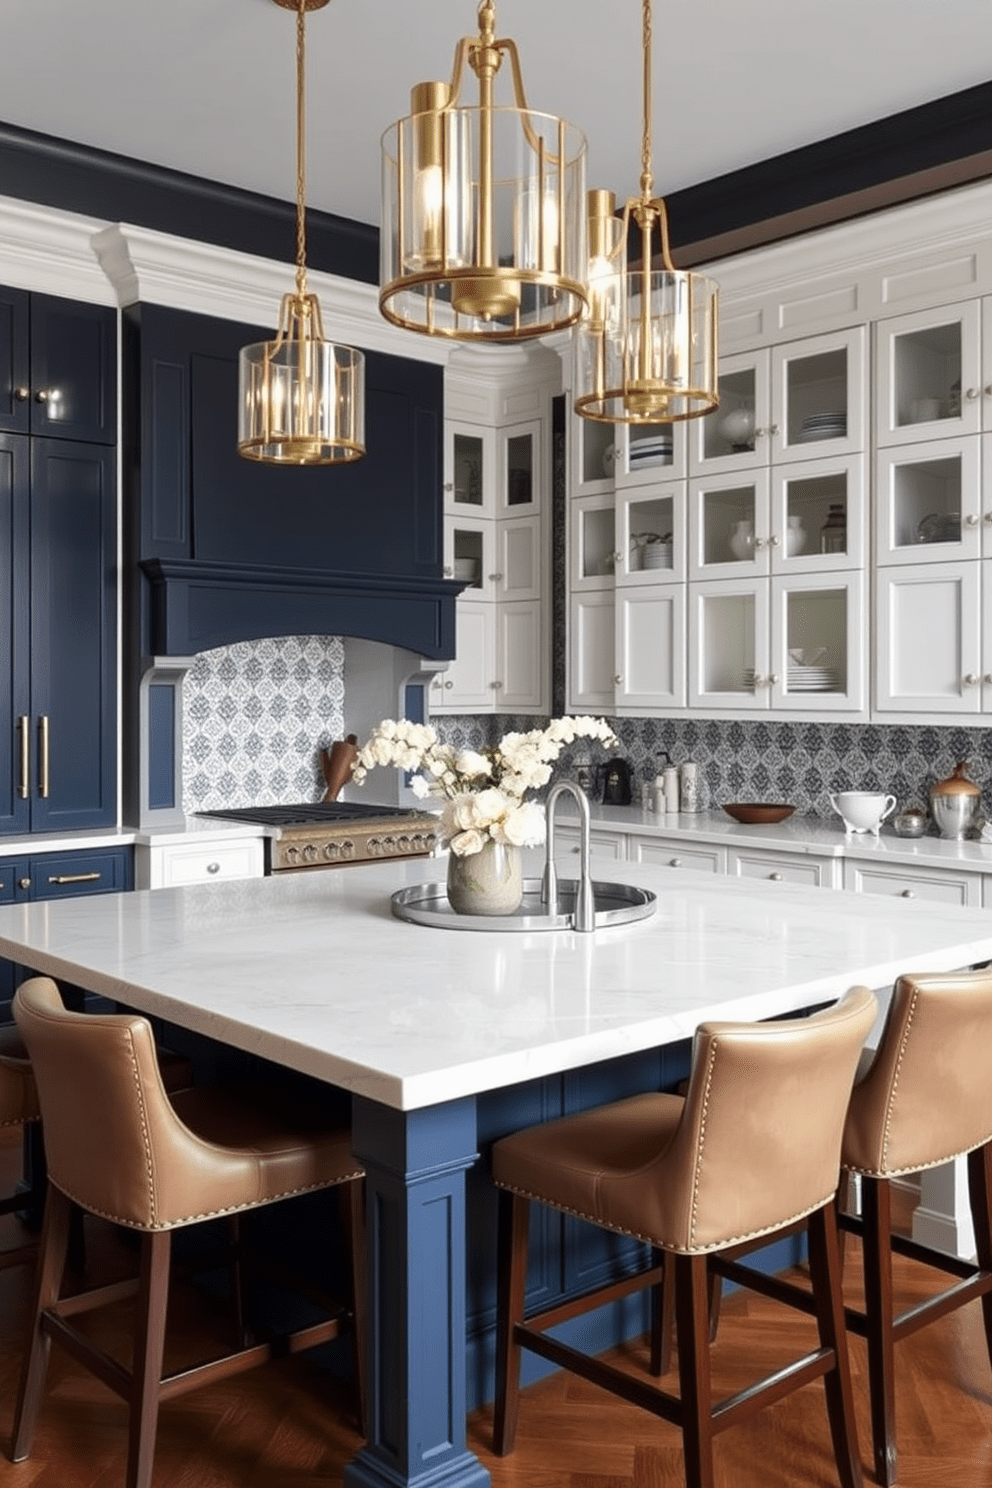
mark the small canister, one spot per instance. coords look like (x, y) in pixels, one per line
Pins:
(689, 787)
(670, 780)
(955, 802)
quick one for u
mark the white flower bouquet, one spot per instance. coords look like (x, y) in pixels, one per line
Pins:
(483, 791)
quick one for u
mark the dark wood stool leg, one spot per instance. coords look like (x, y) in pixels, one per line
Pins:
(511, 1282)
(236, 1280)
(876, 1213)
(153, 1297)
(662, 1314)
(48, 1283)
(980, 1196)
(693, 1341)
(352, 1209)
(825, 1275)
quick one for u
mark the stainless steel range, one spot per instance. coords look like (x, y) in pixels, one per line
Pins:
(337, 834)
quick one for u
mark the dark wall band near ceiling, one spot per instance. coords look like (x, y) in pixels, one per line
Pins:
(936, 145)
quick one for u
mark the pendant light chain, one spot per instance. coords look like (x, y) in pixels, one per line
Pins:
(647, 179)
(301, 168)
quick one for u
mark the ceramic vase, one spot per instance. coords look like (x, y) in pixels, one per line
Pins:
(742, 540)
(795, 537)
(489, 882)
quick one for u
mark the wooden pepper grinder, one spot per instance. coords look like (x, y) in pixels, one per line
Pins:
(337, 764)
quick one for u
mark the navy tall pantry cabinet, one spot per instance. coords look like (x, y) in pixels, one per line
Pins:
(58, 414)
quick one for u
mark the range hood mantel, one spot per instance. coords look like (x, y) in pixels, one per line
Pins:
(197, 606)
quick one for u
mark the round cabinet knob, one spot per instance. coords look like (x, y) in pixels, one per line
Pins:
(449, 485)
(675, 863)
(23, 883)
(970, 679)
(971, 520)
(988, 391)
(449, 685)
(760, 433)
(775, 877)
(347, 848)
(448, 571)
(775, 540)
(773, 429)
(21, 394)
(213, 867)
(759, 681)
(618, 680)
(988, 518)
(773, 679)
(759, 542)
(987, 679)
(908, 894)
(497, 578)
(971, 393)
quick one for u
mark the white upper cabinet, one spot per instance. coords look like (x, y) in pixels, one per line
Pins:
(928, 502)
(650, 649)
(735, 436)
(469, 470)
(819, 396)
(650, 534)
(929, 375)
(520, 464)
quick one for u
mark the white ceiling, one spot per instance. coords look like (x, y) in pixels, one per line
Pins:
(207, 86)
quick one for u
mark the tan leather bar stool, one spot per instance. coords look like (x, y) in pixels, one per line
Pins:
(119, 1147)
(750, 1152)
(923, 1099)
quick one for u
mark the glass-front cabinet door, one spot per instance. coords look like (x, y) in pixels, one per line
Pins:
(646, 453)
(735, 436)
(729, 646)
(650, 649)
(469, 477)
(650, 534)
(520, 469)
(819, 388)
(928, 375)
(818, 644)
(469, 555)
(729, 525)
(928, 502)
(592, 455)
(593, 541)
(818, 515)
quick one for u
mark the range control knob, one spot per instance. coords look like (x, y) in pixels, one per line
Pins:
(390, 846)
(292, 855)
(404, 845)
(347, 848)
(372, 847)
(332, 851)
(310, 853)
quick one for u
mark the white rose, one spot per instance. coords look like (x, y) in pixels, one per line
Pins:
(467, 843)
(470, 764)
(490, 805)
(387, 729)
(463, 813)
(524, 825)
(420, 787)
(381, 751)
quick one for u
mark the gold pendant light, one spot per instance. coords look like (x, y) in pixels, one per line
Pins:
(646, 350)
(483, 208)
(301, 397)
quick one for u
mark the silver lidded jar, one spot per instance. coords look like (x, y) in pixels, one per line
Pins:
(910, 822)
(955, 802)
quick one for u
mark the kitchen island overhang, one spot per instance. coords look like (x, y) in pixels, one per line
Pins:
(315, 973)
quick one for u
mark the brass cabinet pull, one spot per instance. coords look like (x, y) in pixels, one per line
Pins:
(24, 734)
(43, 756)
(61, 878)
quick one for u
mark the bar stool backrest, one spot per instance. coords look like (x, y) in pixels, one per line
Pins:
(760, 1137)
(927, 1094)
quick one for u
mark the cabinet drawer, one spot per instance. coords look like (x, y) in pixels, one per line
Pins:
(601, 844)
(795, 868)
(936, 885)
(173, 866)
(63, 877)
(671, 854)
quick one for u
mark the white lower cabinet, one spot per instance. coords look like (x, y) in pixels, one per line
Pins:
(672, 852)
(784, 867)
(935, 885)
(601, 844)
(170, 865)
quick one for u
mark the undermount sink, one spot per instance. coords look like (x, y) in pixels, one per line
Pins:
(613, 904)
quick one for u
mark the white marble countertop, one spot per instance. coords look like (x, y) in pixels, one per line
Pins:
(199, 829)
(46, 842)
(313, 970)
(798, 834)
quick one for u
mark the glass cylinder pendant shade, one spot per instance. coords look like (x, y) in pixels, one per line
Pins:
(301, 398)
(483, 233)
(649, 354)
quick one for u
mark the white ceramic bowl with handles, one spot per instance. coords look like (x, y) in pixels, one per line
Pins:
(863, 811)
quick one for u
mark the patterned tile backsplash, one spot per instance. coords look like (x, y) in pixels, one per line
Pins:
(255, 714)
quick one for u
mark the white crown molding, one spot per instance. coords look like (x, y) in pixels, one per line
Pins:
(51, 252)
(960, 216)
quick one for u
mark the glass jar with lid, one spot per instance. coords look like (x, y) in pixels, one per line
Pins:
(833, 533)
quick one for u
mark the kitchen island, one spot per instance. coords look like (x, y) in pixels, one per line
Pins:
(421, 1025)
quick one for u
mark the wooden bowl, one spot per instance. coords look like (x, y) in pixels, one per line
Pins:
(758, 813)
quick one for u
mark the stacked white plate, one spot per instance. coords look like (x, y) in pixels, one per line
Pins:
(656, 555)
(803, 678)
(655, 450)
(823, 426)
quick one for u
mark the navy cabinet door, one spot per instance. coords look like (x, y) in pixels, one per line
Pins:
(15, 370)
(73, 638)
(15, 696)
(73, 370)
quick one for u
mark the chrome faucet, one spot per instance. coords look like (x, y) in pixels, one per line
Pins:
(585, 909)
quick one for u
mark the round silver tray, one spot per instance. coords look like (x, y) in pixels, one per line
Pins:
(615, 904)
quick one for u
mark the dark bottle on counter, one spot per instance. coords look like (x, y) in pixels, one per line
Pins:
(833, 533)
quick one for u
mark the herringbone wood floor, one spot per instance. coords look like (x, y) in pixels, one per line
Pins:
(280, 1427)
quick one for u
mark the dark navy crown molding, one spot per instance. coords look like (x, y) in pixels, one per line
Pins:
(97, 183)
(919, 150)
(197, 606)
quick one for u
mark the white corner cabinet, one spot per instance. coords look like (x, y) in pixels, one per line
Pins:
(821, 545)
(496, 519)
(204, 852)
